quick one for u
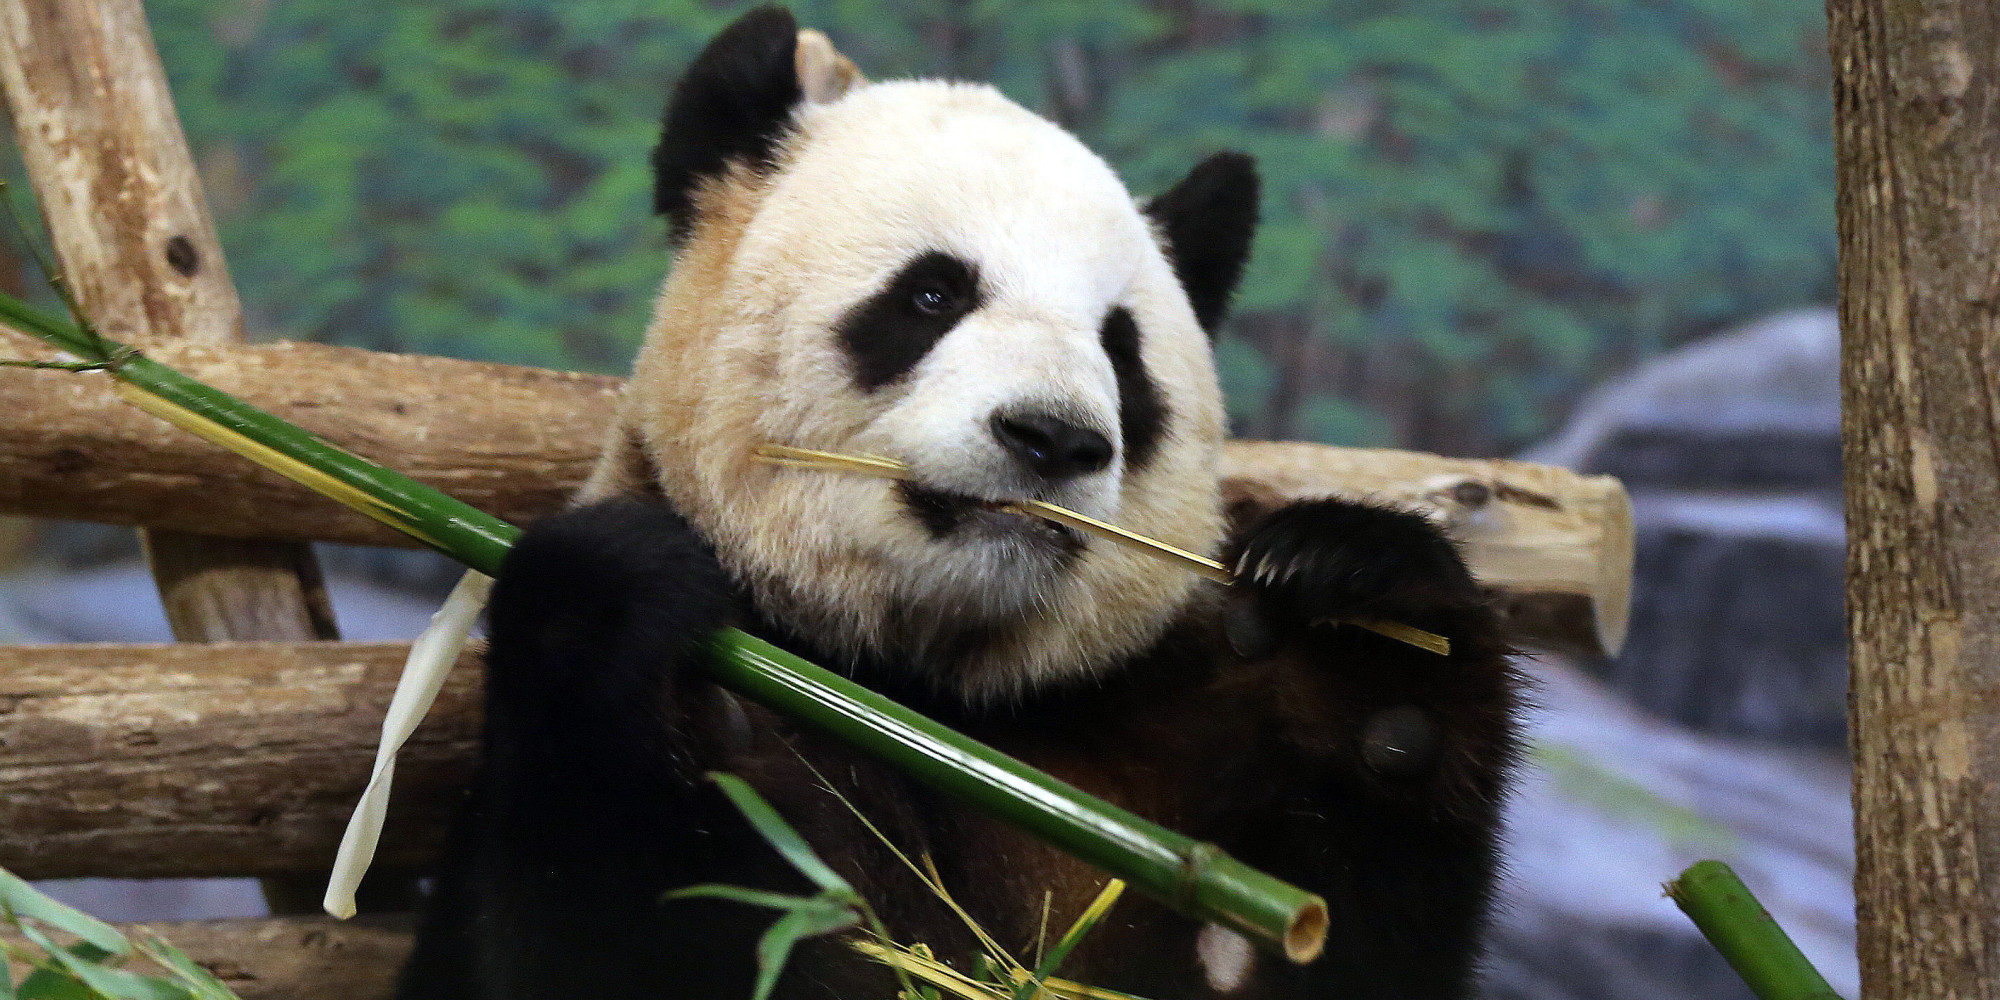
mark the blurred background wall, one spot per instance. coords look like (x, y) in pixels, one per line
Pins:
(1593, 232)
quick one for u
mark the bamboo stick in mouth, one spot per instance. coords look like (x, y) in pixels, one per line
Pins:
(889, 468)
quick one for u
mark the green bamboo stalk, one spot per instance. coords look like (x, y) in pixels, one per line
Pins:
(452, 527)
(1739, 927)
(1195, 878)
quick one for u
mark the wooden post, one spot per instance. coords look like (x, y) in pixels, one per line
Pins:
(103, 146)
(1917, 117)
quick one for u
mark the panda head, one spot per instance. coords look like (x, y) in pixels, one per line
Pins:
(927, 271)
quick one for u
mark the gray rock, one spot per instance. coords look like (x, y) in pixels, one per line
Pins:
(1731, 450)
(1618, 803)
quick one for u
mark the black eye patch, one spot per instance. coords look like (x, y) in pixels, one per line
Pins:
(888, 334)
(1142, 416)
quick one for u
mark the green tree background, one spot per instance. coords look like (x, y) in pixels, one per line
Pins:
(1474, 209)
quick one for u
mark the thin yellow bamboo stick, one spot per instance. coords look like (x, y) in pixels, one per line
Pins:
(889, 468)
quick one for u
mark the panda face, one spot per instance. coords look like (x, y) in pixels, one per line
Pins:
(943, 278)
(926, 271)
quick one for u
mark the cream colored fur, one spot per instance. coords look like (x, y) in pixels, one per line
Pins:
(741, 351)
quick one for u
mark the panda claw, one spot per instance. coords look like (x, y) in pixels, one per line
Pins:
(1337, 559)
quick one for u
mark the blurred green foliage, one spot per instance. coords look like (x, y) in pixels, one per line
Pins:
(1473, 208)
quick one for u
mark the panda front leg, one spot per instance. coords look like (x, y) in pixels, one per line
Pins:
(1397, 756)
(589, 804)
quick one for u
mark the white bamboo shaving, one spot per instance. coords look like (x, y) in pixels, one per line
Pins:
(431, 657)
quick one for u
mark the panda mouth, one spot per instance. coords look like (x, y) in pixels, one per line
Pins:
(943, 514)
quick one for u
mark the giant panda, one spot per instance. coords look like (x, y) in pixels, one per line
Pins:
(925, 270)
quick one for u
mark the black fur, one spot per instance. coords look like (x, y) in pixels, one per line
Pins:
(1050, 446)
(1358, 767)
(1142, 415)
(1324, 559)
(733, 106)
(1208, 221)
(887, 335)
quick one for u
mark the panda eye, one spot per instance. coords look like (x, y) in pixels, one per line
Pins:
(933, 300)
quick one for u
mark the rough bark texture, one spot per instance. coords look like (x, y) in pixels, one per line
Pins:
(514, 442)
(1556, 546)
(517, 441)
(291, 958)
(1917, 106)
(222, 759)
(132, 232)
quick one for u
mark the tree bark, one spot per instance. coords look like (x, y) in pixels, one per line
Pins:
(131, 227)
(137, 248)
(290, 958)
(219, 759)
(1555, 547)
(514, 442)
(517, 442)
(1917, 121)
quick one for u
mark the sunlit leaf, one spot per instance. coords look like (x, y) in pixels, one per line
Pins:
(1067, 943)
(778, 833)
(115, 984)
(201, 982)
(21, 900)
(776, 944)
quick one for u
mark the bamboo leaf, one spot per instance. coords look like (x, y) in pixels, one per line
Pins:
(18, 899)
(776, 944)
(748, 897)
(116, 984)
(779, 834)
(930, 970)
(198, 980)
(1068, 942)
(52, 983)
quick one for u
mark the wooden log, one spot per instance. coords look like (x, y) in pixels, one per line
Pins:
(290, 958)
(517, 441)
(132, 232)
(131, 227)
(1556, 547)
(222, 759)
(512, 441)
(1917, 126)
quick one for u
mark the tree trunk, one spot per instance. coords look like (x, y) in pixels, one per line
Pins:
(137, 246)
(229, 758)
(1917, 116)
(288, 958)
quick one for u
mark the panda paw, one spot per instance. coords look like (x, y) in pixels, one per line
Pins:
(1328, 561)
(606, 585)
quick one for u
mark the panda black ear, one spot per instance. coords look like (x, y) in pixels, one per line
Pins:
(733, 104)
(1208, 221)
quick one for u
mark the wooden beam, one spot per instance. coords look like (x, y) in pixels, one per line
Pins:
(116, 183)
(223, 759)
(117, 186)
(514, 442)
(291, 958)
(517, 441)
(103, 146)
(1917, 125)
(1556, 547)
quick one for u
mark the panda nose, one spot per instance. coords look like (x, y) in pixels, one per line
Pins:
(1055, 449)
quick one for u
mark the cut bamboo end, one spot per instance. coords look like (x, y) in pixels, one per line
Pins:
(1306, 937)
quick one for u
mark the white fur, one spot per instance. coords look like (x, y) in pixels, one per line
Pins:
(742, 352)
(1226, 957)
